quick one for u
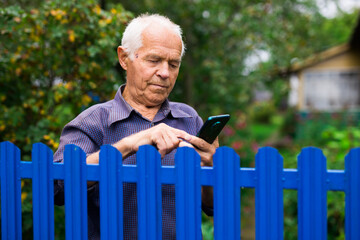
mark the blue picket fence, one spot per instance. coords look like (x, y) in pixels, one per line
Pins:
(311, 179)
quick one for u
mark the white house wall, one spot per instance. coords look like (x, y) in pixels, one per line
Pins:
(330, 85)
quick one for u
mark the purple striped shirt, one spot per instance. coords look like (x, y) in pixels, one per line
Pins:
(109, 122)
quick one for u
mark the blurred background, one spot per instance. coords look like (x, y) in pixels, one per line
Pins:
(288, 72)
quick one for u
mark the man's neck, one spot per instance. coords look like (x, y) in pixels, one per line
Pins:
(148, 112)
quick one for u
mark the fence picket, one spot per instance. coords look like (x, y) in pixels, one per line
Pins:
(111, 193)
(312, 208)
(10, 192)
(269, 194)
(188, 194)
(75, 193)
(42, 192)
(352, 194)
(226, 194)
(148, 163)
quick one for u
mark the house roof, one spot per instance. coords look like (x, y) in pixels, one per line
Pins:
(332, 52)
(355, 38)
(353, 44)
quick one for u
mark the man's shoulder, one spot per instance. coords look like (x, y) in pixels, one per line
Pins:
(182, 109)
(97, 112)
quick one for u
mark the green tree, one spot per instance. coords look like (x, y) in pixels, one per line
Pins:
(55, 61)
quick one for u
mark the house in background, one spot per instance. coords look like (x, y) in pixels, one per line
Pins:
(329, 81)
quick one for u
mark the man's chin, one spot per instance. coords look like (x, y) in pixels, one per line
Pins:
(156, 101)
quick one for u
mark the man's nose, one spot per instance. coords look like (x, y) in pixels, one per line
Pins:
(163, 71)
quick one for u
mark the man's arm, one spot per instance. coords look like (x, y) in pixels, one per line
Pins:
(162, 136)
(166, 139)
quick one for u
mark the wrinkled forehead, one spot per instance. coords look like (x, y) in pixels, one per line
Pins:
(160, 31)
(162, 37)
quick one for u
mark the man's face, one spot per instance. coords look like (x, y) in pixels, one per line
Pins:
(152, 74)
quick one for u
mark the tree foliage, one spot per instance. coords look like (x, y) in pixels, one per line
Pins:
(55, 61)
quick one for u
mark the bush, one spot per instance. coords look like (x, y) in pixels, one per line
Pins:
(54, 61)
(262, 112)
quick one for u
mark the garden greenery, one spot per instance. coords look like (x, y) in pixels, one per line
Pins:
(54, 62)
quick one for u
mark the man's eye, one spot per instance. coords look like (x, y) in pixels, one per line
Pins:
(154, 60)
(174, 66)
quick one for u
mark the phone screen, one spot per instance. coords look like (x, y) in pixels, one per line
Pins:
(212, 127)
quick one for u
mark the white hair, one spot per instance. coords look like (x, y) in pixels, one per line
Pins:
(132, 36)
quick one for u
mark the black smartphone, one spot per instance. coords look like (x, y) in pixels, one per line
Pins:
(212, 127)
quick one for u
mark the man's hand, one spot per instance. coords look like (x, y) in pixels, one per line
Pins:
(205, 150)
(162, 136)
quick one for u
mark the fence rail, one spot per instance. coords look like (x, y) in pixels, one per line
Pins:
(311, 179)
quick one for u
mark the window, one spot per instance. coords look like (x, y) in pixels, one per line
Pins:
(332, 90)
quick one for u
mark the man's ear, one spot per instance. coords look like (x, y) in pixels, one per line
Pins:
(123, 57)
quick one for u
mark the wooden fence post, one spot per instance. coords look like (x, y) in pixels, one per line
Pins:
(226, 194)
(269, 194)
(148, 163)
(352, 195)
(312, 195)
(75, 193)
(187, 194)
(10, 192)
(42, 192)
(111, 193)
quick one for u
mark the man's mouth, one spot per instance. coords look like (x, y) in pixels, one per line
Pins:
(158, 85)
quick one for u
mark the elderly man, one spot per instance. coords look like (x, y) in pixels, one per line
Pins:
(140, 114)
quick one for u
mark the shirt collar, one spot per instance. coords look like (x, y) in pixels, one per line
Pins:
(122, 110)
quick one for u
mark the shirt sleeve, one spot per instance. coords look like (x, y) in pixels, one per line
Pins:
(199, 123)
(79, 135)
